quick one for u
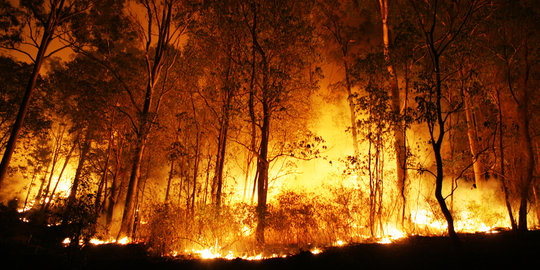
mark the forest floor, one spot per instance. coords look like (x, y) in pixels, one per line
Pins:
(503, 250)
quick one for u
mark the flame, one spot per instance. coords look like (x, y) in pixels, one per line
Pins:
(340, 243)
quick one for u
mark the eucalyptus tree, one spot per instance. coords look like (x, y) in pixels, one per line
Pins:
(160, 31)
(281, 36)
(29, 30)
(440, 23)
(399, 127)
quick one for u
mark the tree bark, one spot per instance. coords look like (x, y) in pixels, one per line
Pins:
(472, 135)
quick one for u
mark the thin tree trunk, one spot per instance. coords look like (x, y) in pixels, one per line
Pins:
(527, 163)
(105, 172)
(478, 165)
(398, 127)
(84, 148)
(262, 180)
(169, 181)
(437, 150)
(113, 194)
(29, 189)
(208, 165)
(57, 148)
(503, 175)
(68, 157)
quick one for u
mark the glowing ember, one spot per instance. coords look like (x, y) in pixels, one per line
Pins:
(66, 241)
(340, 243)
(385, 240)
(124, 241)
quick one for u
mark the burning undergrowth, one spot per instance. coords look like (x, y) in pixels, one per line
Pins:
(295, 222)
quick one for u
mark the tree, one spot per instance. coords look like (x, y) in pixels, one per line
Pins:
(167, 20)
(43, 21)
(513, 47)
(440, 24)
(281, 37)
(399, 127)
(345, 29)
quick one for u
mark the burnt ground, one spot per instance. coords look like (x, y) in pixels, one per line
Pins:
(478, 251)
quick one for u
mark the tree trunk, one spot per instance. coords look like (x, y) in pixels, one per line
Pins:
(126, 225)
(262, 180)
(29, 189)
(398, 127)
(171, 174)
(57, 148)
(104, 174)
(222, 146)
(154, 64)
(503, 175)
(68, 157)
(527, 165)
(85, 147)
(113, 194)
(437, 150)
(195, 173)
(478, 165)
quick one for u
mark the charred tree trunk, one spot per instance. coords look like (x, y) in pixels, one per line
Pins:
(220, 162)
(222, 146)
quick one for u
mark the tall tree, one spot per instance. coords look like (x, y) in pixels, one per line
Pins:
(440, 24)
(166, 21)
(42, 19)
(398, 125)
(281, 37)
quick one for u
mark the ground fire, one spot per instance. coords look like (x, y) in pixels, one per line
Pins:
(281, 132)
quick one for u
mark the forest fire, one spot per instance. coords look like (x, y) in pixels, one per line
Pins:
(243, 130)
